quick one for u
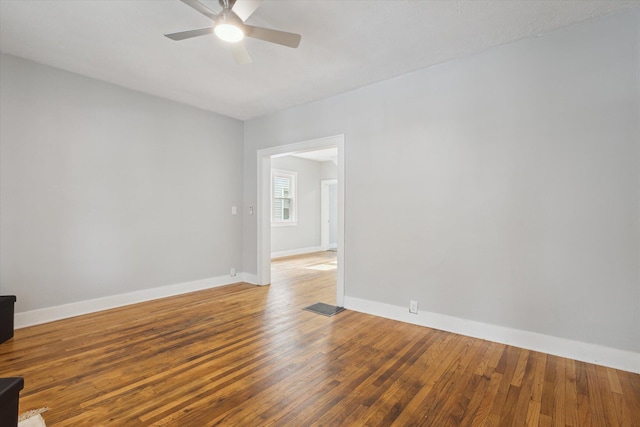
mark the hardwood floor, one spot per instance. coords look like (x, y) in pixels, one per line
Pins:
(249, 356)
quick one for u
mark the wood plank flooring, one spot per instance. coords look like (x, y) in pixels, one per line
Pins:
(244, 355)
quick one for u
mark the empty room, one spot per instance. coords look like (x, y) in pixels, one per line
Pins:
(319, 212)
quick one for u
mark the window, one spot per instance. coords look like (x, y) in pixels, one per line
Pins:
(283, 197)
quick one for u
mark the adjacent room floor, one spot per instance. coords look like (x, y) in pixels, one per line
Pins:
(310, 274)
(248, 355)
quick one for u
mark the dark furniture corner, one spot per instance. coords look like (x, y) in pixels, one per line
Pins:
(7, 303)
(9, 394)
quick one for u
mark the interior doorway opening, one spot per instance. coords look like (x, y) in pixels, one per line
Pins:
(329, 214)
(264, 211)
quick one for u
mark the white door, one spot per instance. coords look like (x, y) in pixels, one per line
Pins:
(329, 214)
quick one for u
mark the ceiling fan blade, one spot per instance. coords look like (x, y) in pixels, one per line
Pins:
(273, 36)
(190, 33)
(200, 8)
(245, 8)
(240, 53)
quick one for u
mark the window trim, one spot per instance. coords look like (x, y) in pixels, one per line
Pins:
(293, 197)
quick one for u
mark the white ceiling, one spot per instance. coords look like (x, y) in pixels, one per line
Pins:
(345, 44)
(323, 155)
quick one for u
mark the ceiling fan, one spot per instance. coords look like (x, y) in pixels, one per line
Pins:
(229, 25)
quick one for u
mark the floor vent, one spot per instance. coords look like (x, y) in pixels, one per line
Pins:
(324, 309)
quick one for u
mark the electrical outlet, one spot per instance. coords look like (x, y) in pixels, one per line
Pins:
(413, 307)
(233, 272)
(234, 210)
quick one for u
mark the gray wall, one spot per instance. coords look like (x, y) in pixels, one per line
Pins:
(106, 190)
(328, 170)
(306, 233)
(501, 188)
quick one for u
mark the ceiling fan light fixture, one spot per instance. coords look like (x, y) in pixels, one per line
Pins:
(229, 32)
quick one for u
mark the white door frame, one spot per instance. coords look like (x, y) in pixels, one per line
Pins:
(264, 205)
(324, 213)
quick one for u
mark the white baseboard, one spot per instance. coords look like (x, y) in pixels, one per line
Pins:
(299, 251)
(585, 352)
(49, 314)
(250, 278)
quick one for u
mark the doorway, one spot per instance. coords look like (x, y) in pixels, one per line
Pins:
(263, 212)
(329, 214)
